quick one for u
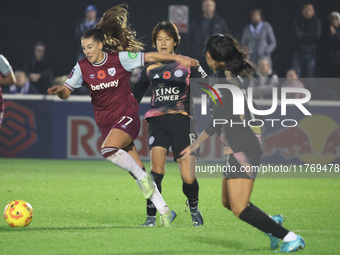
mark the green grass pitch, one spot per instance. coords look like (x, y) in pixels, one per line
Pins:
(93, 207)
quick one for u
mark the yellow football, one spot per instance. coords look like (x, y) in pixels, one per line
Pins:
(18, 213)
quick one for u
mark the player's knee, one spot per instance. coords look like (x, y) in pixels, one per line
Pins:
(188, 179)
(237, 209)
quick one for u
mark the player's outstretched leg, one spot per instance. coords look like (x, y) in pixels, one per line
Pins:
(111, 150)
(191, 191)
(122, 159)
(147, 186)
(273, 227)
(190, 188)
(167, 218)
(150, 207)
(239, 191)
(274, 241)
(166, 214)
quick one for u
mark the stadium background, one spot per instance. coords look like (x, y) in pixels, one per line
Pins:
(92, 207)
(23, 23)
(28, 128)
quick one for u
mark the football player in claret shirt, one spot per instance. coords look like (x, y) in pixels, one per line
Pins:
(6, 78)
(242, 144)
(106, 75)
(170, 122)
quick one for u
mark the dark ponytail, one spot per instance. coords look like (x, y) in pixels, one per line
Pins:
(225, 48)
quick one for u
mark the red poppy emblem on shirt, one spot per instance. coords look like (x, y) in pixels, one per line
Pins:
(166, 75)
(101, 74)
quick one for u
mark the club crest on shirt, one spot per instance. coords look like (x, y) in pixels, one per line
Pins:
(178, 73)
(112, 71)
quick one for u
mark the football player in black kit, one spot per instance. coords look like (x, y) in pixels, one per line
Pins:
(242, 144)
(169, 119)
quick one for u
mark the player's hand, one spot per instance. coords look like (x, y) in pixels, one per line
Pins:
(187, 62)
(55, 90)
(188, 150)
(185, 153)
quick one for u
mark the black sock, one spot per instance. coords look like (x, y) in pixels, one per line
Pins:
(150, 207)
(191, 191)
(263, 222)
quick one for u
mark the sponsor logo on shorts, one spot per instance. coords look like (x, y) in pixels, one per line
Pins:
(105, 85)
(151, 140)
(112, 71)
(178, 73)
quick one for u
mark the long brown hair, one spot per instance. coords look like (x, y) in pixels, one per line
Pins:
(118, 35)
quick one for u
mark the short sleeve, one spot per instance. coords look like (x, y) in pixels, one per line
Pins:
(5, 67)
(198, 72)
(131, 60)
(75, 79)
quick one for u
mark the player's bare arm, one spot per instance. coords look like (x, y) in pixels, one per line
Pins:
(203, 137)
(183, 60)
(8, 80)
(62, 92)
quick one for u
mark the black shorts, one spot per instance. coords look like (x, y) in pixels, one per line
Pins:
(234, 169)
(175, 130)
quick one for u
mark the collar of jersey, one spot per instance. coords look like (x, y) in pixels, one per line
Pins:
(101, 62)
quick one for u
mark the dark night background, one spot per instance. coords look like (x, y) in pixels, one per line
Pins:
(23, 23)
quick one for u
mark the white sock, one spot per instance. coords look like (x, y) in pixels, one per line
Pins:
(122, 159)
(291, 236)
(157, 200)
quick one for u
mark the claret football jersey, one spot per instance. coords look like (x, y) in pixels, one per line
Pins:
(108, 82)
